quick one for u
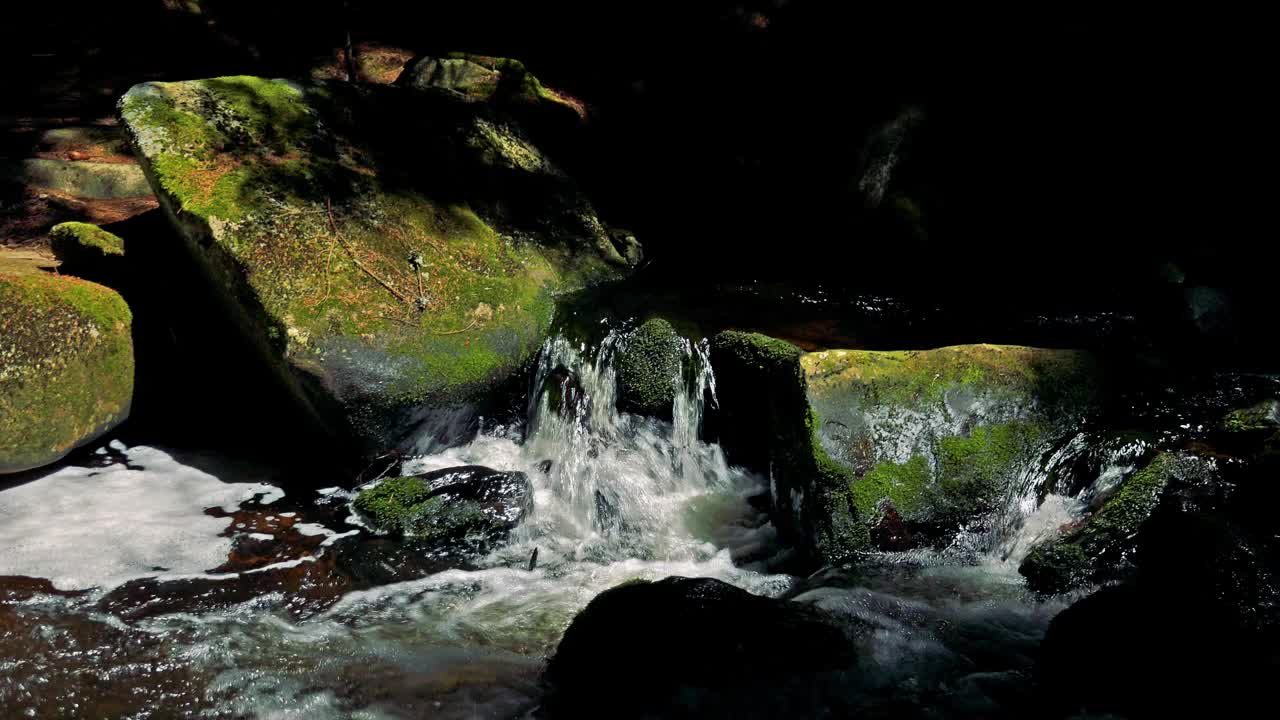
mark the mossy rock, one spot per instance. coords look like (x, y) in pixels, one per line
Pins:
(940, 435)
(393, 254)
(481, 78)
(454, 504)
(764, 421)
(1259, 418)
(66, 366)
(1102, 549)
(88, 251)
(649, 365)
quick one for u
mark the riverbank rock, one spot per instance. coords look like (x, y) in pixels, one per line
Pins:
(66, 366)
(393, 255)
(480, 78)
(454, 504)
(694, 647)
(899, 448)
(649, 367)
(1102, 548)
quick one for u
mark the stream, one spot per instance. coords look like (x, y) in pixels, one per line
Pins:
(153, 583)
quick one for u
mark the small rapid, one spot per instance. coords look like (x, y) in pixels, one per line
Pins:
(616, 497)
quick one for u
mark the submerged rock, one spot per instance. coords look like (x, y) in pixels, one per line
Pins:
(693, 647)
(66, 366)
(469, 502)
(393, 255)
(649, 366)
(898, 448)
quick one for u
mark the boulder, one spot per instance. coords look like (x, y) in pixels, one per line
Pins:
(649, 365)
(393, 255)
(896, 447)
(1262, 417)
(66, 366)
(88, 251)
(450, 505)
(694, 647)
(1103, 547)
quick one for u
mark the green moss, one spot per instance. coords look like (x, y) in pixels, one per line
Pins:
(973, 471)
(70, 238)
(406, 505)
(66, 366)
(1257, 418)
(649, 369)
(902, 484)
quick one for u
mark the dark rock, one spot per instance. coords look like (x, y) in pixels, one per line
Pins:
(470, 503)
(685, 647)
(649, 368)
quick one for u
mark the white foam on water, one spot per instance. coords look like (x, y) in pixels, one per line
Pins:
(100, 527)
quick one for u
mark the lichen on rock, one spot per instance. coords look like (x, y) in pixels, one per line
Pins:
(66, 366)
(449, 505)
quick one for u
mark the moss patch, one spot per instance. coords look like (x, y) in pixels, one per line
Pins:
(649, 369)
(406, 505)
(1262, 417)
(901, 484)
(66, 366)
(71, 238)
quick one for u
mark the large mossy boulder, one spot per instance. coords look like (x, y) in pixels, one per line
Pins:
(649, 365)
(941, 436)
(695, 647)
(470, 503)
(1102, 548)
(393, 254)
(66, 366)
(872, 448)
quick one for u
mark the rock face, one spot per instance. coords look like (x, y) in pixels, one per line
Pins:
(393, 254)
(469, 502)
(895, 447)
(649, 369)
(66, 366)
(737, 655)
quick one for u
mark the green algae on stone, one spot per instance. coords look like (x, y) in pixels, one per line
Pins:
(406, 505)
(649, 367)
(76, 237)
(390, 252)
(66, 366)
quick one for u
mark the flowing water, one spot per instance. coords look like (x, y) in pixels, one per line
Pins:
(281, 631)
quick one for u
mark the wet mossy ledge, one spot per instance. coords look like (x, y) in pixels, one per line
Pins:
(1102, 549)
(649, 367)
(66, 366)
(891, 449)
(395, 255)
(467, 503)
(87, 251)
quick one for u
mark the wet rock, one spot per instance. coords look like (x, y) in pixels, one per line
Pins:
(764, 421)
(1262, 417)
(66, 366)
(940, 435)
(470, 503)
(693, 647)
(389, 253)
(649, 366)
(1103, 547)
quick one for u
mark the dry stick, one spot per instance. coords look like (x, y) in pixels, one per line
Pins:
(333, 226)
(457, 332)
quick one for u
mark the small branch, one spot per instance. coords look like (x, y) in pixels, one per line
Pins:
(457, 332)
(333, 226)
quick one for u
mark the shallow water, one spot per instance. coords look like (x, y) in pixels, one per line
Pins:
(229, 596)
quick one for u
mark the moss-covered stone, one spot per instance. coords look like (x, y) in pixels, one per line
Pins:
(939, 435)
(649, 368)
(1262, 417)
(66, 366)
(483, 78)
(1101, 549)
(764, 421)
(447, 505)
(391, 252)
(89, 252)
